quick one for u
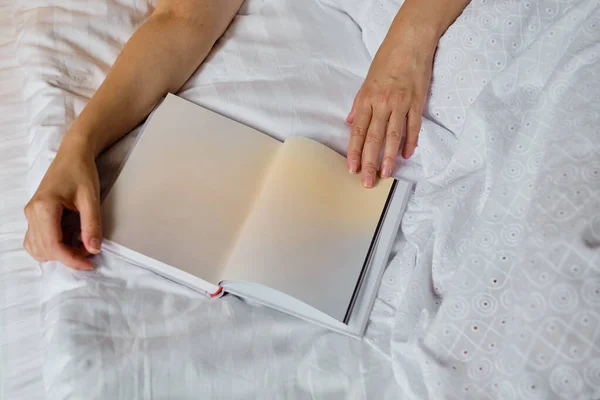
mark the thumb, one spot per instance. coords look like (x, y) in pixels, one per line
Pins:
(88, 206)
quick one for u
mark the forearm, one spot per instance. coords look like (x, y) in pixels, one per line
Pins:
(159, 58)
(425, 21)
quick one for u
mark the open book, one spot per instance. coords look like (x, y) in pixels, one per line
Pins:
(220, 207)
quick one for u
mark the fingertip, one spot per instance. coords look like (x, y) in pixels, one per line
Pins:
(91, 224)
(408, 152)
(82, 263)
(93, 245)
(85, 267)
(78, 263)
(368, 180)
(72, 257)
(386, 170)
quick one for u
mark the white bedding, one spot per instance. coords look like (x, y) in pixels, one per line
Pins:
(494, 290)
(124, 333)
(21, 345)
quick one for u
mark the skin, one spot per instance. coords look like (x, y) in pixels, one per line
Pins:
(393, 94)
(162, 55)
(159, 58)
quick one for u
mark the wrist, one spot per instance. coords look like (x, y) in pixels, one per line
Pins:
(418, 33)
(79, 144)
(408, 43)
(425, 21)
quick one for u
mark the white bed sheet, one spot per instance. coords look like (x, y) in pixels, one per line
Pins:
(494, 291)
(21, 344)
(124, 333)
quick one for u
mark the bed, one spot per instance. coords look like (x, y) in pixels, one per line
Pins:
(493, 291)
(21, 344)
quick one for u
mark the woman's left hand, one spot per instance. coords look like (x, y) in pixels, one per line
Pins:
(392, 96)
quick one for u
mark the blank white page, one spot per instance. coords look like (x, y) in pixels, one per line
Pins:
(187, 187)
(310, 229)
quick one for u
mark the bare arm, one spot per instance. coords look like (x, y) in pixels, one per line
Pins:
(394, 92)
(159, 58)
(428, 17)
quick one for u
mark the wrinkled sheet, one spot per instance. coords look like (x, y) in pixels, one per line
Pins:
(494, 288)
(122, 332)
(21, 345)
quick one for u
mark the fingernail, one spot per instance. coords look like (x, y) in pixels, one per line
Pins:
(386, 171)
(95, 243)
(410, 153)
(367, 181)
(353, 167)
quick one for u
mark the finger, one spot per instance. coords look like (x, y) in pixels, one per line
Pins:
(34, 250)
(351, 115)
(33, 242)
(80, 250)
(71, 257)
(372, 147)
(357, 137)
(413, 126)
(50, 235)
(91, 225)
(393, 137)
(27, 245)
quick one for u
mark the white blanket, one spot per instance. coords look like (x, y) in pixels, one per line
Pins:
(494, 292)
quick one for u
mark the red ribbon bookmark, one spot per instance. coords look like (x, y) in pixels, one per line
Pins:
(218, 292)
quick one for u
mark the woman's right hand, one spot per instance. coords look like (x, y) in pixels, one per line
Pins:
(70, 187)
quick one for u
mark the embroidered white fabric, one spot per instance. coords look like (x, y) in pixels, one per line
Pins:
(496, 291)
